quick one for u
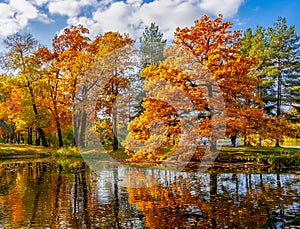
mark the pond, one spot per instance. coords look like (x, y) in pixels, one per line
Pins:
(44, 193)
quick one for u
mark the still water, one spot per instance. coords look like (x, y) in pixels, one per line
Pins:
(67, 194)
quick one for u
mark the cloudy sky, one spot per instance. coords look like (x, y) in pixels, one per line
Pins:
(45, 18)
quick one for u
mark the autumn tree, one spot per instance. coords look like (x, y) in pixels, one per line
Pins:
(63, 68)
(214, 72)
(22, 61)
(114, 67)
(220, 53)
(10, 106)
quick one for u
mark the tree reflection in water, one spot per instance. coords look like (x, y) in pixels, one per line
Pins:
(185, 204)
(66, 194)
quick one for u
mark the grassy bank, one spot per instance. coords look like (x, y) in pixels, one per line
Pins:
(23, 150)
(278, 157)
(274, 156)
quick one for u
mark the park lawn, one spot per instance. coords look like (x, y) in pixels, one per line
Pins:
(256, 152)
(274, 156)
(11, 150)
(260, 149)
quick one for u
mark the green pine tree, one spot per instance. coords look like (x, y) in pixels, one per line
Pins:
(277, 48)
(284, 63)
(152, 45)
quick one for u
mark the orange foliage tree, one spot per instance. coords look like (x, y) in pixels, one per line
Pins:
(210, 71)
(63, 69)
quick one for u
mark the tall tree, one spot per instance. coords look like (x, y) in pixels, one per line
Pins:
(21, 59)
(277, 49)
(114, 62)
(209, 52)
(63, 69)
(152, 45)
(255, 45)
(67, 64)
(284, 47)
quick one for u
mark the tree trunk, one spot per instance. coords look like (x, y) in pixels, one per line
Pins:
(58, 126)
(278, 110)
(42, 136)
(246, 141)
(37, 138)
(18, 137)
(29, 141)
(59, 134)
(30, 88)
(82, 141)
(213, 145)
(114, 127)
(75, 129)
(39, 129)
(49, 139)
(277, 143)
(259, 141)
(213, 141)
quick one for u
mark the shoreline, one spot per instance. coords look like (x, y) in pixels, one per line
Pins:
(234, 157)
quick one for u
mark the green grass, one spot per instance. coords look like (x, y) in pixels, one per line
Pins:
(10, 150)
(119, 154)
(100, 153)
(67, 152)
(261, 149)
(274, 156)
(278, 157)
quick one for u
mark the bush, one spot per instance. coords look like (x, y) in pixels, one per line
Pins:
(67, 152)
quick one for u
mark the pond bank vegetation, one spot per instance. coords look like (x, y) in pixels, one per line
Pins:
(242, 156)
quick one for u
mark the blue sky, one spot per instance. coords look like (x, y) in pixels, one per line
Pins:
(45, 18)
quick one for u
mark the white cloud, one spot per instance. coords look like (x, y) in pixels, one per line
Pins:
(8, 27)
(69, 8)
(135, 3)
(24, 9)
(169, 14)
(117, 17)
(132, 16)
(226, 7)
(5, 11)
(15, 15)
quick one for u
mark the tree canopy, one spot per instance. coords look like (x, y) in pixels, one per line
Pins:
(211, 81)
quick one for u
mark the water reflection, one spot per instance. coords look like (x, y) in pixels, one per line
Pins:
(66, 194)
